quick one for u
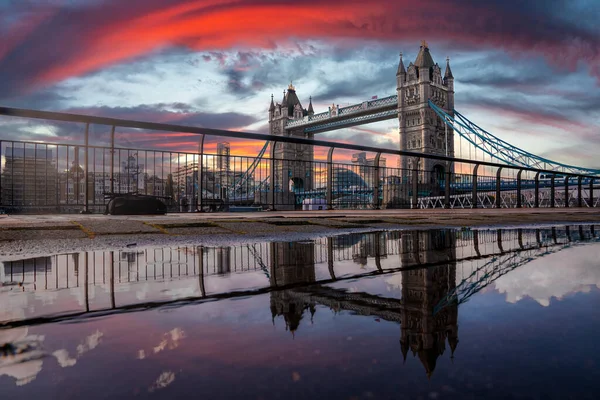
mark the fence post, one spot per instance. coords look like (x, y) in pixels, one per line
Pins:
(329, 192)
(273, 178)
(591, 204)
(86, 189)
(499, 240)
(474, 194)
(552, 191)
(199, 201)
(537, 191)
(415, 183)
(519, 205)
(579, 199)
(376, 178)
(447, 186)
(567, 191)
(498, 199)
(112, 160)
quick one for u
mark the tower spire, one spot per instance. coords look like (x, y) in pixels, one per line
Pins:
(401, 69)
(448, 73)
(311, 111)
(272, 106)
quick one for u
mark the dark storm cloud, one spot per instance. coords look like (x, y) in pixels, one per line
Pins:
(53, 43)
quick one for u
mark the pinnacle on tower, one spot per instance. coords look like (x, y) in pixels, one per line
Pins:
(401, 69)
(284, 101)
(272, 106)
(448, 73)
(310, 107)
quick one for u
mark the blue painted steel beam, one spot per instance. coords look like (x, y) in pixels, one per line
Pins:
(502, 150)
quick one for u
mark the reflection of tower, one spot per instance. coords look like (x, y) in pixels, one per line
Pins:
(291, 263)
(423, 332)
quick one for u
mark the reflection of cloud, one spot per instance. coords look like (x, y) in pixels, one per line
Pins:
(573, 270)
(170, 341)
(394, 282)
(91, 342)
(62, 356)
(164, 380)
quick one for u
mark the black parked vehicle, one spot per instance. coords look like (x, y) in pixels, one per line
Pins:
(135, 204)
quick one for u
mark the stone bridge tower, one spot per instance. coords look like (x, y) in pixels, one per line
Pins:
(294, 166)
(420, 128)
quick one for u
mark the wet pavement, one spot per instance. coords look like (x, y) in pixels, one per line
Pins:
(431, 314)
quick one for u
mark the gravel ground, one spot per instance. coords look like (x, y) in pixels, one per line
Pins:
(30, 235)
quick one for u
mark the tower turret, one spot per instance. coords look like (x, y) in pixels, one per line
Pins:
(271, 109)
(401, 73)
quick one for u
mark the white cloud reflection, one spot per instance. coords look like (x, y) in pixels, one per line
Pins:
(573, 270)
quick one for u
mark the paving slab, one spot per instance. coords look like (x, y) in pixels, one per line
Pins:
(250, 227)
(116, 226)
(45, 234)
(195, 231)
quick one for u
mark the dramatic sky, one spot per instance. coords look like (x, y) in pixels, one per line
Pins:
(526, 70)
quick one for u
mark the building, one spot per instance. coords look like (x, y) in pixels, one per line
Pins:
(223, 156)
(367, 167)
(421, 129)
(29, 178)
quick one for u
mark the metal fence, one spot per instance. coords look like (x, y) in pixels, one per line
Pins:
(70, 178)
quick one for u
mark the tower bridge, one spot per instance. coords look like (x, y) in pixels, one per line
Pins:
(284, 172)
(427, 121)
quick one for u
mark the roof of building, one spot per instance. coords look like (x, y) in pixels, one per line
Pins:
(424, 59)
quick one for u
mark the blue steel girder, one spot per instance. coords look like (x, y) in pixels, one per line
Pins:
(502, 150)
(343, 117)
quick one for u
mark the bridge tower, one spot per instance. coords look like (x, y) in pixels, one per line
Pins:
(294, 166)
(421, 130)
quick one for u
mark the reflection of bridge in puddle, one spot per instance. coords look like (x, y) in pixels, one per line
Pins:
(438, 269)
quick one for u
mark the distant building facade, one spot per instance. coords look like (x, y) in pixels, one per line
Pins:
(29, 178)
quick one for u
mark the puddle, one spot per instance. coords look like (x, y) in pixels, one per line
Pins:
(461, 313)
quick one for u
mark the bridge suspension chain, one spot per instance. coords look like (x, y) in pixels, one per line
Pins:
(500, 149)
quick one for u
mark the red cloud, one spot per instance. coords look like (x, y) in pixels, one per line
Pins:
(91, 38)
